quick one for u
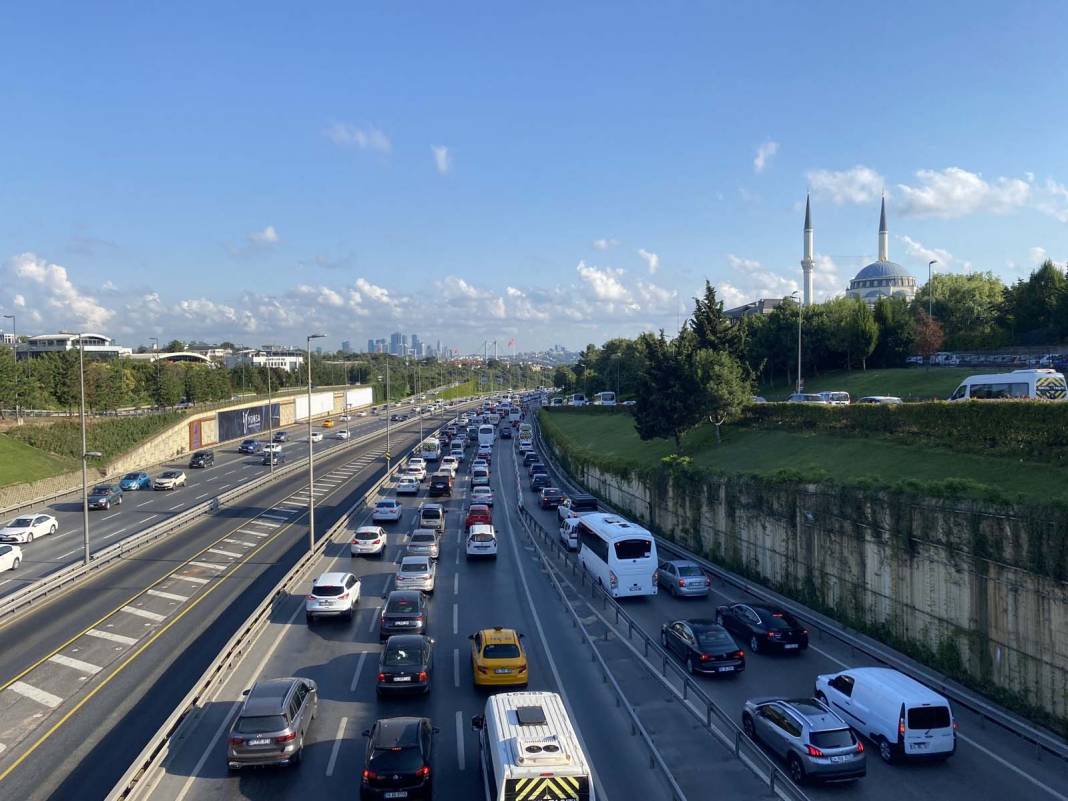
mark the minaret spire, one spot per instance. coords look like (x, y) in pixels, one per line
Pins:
(807, 262)
(884, 234)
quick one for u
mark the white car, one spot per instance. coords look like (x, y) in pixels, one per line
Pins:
(485, 450)
(345, 417)
(417, 463)
(10, 557)
(482, 494)
(481, 541)
(272, 447)
(25, 528)
(368, 541)
(387, 509)
(342, 433)
(317, 436)
(416, 573)
(361, 413)
(480, 477)
(477, 463)
(332, 594)
(407, 485)
(169, 480)
(449, 463)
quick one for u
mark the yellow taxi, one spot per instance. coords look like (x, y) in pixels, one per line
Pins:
(497, 657)
(328, 423)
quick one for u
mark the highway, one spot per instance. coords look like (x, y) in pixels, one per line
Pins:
(86, 678)
(342, 658)
(143, 508)
(989, 763)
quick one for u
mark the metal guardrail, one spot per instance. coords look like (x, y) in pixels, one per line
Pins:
(1044, 741)
(707, 712)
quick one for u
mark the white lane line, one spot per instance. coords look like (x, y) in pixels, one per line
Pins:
(294, 503)
(211, 478)
(225, 486)
(357, 672)
(145, 503)
(191, 579)
(456, 582)
(111, 516)
(77, 664)
(264, 523)
(240, 542)
(460, 740)
(146, 519)
(337, 745)
(221, 552)
(8, 581)
(133, 610)
(253, 533)
(274, 517)
(455, 618)
(456, 667)
(35, 694)
(228, 472)
(202, 495)
(170, 596)
(374, 618)
(68, 553)
(216, 566)
(111, 636)
(179, 506)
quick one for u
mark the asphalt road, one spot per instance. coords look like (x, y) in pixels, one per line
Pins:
(143, 508)
(990, 763)
(88, 677)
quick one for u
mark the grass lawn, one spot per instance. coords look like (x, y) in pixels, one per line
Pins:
(461, 391)
(21, 463)
(843, 459)
(909, 383)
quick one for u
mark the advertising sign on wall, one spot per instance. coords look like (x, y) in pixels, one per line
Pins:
(245, 422)
(322, 403)
(358, 398)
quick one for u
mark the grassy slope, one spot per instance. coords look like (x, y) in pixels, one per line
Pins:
(911, 383)
(22, 463)
(461, 391)
(843, 459)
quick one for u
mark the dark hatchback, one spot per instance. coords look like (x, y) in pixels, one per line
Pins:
(406, 612)
(405, 664)
(399, 759)
(539, 481)
(764, 628)
(104, 495)
(550, 498)
(250, 446)
(703, 646)
(440, 485)
(279, 436)
(202, 459)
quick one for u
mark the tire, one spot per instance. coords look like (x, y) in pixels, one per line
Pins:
(52, 530)
(107, 506)
(754, 644)
(120, 500)
(797, 770)
(886, 750)
(29, 538)
(749, 728)
(663, 641)
(15, 564)
(297, 757)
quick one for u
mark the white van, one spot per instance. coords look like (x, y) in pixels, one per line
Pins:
(486, 434)
(618, 555)
(903, 718)
(1018, 385)
(569, 533)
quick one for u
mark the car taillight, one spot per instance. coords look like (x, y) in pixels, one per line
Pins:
(286, 738)
(381, 676)
(236, 741)
(343, 597)
(706, 658)
(813, 751)
(613, 580)
(309, 597)
(740, 655)
(422, 675)
(423, 772)
(860, 747)
(522, 669)
(656, 577)
(369, 775)
(772, 635)
(955, 725)
(901, 726)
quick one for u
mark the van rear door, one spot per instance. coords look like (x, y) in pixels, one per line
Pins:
(929, 730)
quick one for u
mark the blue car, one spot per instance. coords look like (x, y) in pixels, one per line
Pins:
(135, 481)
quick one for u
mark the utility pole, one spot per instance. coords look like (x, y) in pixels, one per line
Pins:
(15, 354)
(311, 452)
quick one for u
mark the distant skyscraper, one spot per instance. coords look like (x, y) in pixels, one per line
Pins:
(370, 346)
(417, 346)
(380, 346)
(397, 343)
(346, 346)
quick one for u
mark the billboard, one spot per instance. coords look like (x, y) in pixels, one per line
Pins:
(246, 422)
(358, 398)
(322, 403)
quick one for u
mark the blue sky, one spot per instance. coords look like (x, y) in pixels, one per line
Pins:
(247, 172)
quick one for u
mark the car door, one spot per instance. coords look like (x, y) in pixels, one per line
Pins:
(840, 697)
(774, 735)
(667, 575)
(7, 557)
(674, 638)
(350, 584)
(476, 650)
(731, 620)
(40, 526)
(687, 641)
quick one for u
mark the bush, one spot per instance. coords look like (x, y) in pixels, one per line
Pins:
(111, 437)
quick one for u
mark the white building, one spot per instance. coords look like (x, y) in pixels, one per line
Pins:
(279, 359)
(93, 345)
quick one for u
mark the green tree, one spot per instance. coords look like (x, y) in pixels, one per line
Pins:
(968, 305)
(896, 332)
(175, 346)
(1031, 306)
(563, 378)
(711, 327)
(724, 387)
(854, 332)
(668, 392)
(171, 384)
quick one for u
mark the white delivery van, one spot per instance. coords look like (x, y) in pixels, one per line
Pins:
(569, 533)
(903, 718)
(1018, 385)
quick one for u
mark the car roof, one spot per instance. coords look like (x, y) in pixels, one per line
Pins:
(331, 578)
(499, 635)
(405, 641)
(817, 715)
(423, 532)
(912, 691)
(370, 528)
(397, 732)
(431, 506)
(404, 595)
(483, 528)
(268, 697)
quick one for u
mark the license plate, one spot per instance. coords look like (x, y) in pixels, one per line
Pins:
(503, 670)
(724, 669)
(790, 645)
(402, 678)
(260, 741)
(396, 794)
(919, 745)
(839, 758)
(402, 623)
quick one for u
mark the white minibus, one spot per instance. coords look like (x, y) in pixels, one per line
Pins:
(487, 434)
(618, 554)
(604, 399)
(1017, 385)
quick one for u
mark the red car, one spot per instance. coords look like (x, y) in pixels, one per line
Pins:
(478, 513)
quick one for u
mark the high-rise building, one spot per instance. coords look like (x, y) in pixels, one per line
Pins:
(417, 346)
(346, 346)
(370, 346)
(397, 343)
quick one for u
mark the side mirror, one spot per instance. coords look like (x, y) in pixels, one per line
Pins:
(366, 732)
(477, 723)
(245, 692)
(470, 636)
(522, 636)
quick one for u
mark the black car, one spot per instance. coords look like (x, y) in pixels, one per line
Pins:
(273, 457)
(250, 446)
(765, 628)
(440, 485)
(406, 612)
(537, 467)
(550, 498)
(703, 645)
(104, 495)
(405, 664)
(530, 458)
(279, 436)
(202, 459)
(538, 481)
(506, 433)
(399, 759)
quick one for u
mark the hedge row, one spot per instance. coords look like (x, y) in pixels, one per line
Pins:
(111, 437)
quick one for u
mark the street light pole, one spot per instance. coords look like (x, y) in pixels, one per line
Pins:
(311, 453)
(155, 349)
(15, 354)
(796, 294)
(270, 417)
(930, 288)
(86, 454)
(389, 453)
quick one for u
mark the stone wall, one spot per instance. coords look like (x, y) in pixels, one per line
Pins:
(975, 590)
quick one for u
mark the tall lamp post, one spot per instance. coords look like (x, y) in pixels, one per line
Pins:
(155, 349)
(15, 353)
(930, 287)
(270, 415)
(311, 452)
(86, 454)
(796, 295)
(389, 453)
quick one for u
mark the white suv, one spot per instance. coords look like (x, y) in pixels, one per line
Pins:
(368, 541)
(332, 594)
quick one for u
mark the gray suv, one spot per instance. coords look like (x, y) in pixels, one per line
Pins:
(272, 724)
(815, 743)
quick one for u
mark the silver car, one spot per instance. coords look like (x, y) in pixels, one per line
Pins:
(423, 542)
(416, 573)
(683, 578)
(272, 724)
(813, 741)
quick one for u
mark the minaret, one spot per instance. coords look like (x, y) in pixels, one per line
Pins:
(807, 264)
(884, 235)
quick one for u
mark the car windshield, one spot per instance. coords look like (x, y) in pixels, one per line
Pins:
(169, 475)
(102, 489)
(385, 504)
(690, 570)
(780, 621)
(397, 657)
(131, 477)
(431, 514)
(713, 638)
(397, 760)
(402, 606)
(502, 650)
(327, 590)
(21, 522)
(414, 567)
(482, 537)
(633, 549)
(928, 717)
(259, 724)
(367, 535)
(834, 738)
(423, 539)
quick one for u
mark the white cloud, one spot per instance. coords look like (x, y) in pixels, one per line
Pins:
(858, 185)
(655, 297)
(1053, 200)
(604, 283)
(923, 254)
(47, 289)
(375, 293)
(1037, 255)
(758, 281)
(268, 236)
(652, 261)
(604, 244)
(442, 158)
(955, 192)
(369, 138)
(765, 153)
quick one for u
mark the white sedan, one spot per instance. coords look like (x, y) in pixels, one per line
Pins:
(25, 528)
(345, 417)
(387, 509)
(317, 436)
(10, 557)
(407, 485)
(368, 541)
(342, 433)
(449, 463)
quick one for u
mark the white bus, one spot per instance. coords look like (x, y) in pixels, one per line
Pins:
(618, 554)
(430, 449)
(487, 434)
(529, 750)
(578, 399)
(1017, 385)
(604, 399)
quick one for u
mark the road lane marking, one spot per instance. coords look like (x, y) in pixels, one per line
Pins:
(111, 516)
(191, 579)
(357, 672)
(216, 566)
(77, 664)
(294, 503)
(253, 533)
(133, 610)
(202, 495)
(337, 745)
(264, 523)
(456, 667)
(460, 740)
(374, 618)
(179, 506)
(269, 516)
(221, 552)
(68, 553)
(456, 582)
(35, 694)
(241, 542)
(455, 618)
(122, 639)
(145, 503)
(170, 596)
